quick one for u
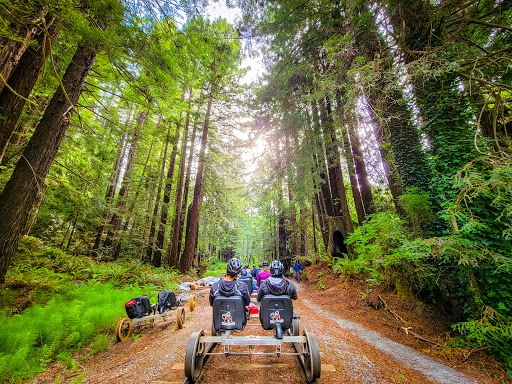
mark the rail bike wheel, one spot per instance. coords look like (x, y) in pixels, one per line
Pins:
(192, 303)
(214, 332)
(123, 329)
(295, 326)
(180, 317)
(312, 365)
(193, 361)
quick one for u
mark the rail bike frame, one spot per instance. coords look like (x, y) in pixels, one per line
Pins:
(126, 325)
(200, 347)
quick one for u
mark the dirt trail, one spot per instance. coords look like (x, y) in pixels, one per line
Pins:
(350, 353)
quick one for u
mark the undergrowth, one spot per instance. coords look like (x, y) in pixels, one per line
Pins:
(442, 271)
(216, 269)
(53, 304)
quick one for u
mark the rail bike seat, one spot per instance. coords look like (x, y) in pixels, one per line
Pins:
(229, 313)
(276, 312)
(247, 280)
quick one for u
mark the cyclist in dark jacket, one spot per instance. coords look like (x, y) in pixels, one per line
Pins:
(230, 286)
(276, 284)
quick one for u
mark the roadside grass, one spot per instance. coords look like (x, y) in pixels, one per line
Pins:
(216, 269)
(53, 304)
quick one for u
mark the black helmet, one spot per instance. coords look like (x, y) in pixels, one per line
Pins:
(276, 268)
(264, 263)
(234, 267)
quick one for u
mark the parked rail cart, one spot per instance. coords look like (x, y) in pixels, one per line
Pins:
(126, 325)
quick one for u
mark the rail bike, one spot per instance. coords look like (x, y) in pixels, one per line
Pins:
(143, 315)
(230, 315)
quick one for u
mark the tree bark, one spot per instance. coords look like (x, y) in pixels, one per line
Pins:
(154, 216)
(361, 171)
(188, 252)
(389, 169)
(321, 164)
(356, 192)
(338, 191)
(303, 233)
(175, 240)
(315, 246)
(186, 186)
(162, 228)
(25, 185)
(291, 203)
(122, 197)
(13, 50)
(22, 81)
(109, 196)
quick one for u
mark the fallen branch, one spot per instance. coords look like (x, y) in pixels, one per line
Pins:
(386, 307)
(476, 349)
(408, 331)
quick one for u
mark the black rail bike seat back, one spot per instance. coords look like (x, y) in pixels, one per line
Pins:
(229, 313)
(276, 312)
(247, 280)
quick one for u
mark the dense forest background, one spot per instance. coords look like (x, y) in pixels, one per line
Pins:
(378, 138)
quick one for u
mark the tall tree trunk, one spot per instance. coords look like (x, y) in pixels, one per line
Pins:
(389, 169)
(25, 185)
(162, 227)
(303, 233)
(291, 204)
(186, 186)
(75, 220)
(154, 216)
(109, 196)
(362, 173)
(320, 164)
(317, 148)
(151, 189)
(130, 211)
(356, 193)
(122, 197)
(175, 240)
(188, 252)
(13, 50)
(315, 246)
(338, 191)
(22, 81)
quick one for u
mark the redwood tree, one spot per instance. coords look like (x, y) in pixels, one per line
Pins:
(28, 179)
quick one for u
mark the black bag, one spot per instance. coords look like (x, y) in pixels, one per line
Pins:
(166, 300)
(138, 307)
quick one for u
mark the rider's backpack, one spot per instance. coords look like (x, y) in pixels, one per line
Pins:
(138, 307)
(166, 300)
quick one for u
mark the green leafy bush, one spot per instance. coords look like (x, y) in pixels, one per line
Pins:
(72, 301)
(453, 271)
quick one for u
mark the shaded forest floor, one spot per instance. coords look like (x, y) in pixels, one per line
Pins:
(358, 344)
(410, 322)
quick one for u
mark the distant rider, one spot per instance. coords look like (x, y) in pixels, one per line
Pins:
(263, 274)
(297, 270)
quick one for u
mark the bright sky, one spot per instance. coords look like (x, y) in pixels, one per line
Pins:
(219, 10)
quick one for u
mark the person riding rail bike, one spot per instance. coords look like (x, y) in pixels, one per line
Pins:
(276, 284)
(230, 285)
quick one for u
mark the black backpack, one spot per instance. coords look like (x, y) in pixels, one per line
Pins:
(166, 300)
(138, 307)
